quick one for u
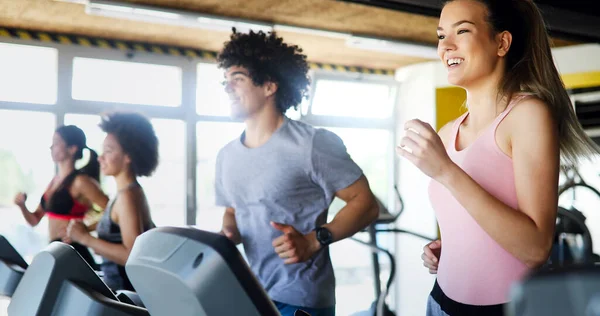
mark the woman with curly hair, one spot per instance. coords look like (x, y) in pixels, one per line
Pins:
(277, 180)
(130, 150)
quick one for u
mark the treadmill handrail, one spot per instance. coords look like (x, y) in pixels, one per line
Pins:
(10, 255)
(382, 296)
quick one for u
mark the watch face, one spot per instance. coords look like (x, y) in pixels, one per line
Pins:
(324, 235)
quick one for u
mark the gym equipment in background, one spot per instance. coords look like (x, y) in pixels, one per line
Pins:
(379, 307)
(563, 291)
(573, 243)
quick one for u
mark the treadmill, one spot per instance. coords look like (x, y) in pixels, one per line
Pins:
(12, 268)
(59, 282)
(189, 272)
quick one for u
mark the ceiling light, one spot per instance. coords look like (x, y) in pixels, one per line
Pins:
(311, 31)
(171, 17)
(73, 1)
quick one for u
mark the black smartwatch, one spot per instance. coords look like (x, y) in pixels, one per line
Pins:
(324, 236)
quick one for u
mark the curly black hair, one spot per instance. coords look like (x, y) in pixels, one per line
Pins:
(268, 58)
(136, 135)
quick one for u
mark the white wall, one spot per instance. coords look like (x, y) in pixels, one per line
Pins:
(440, 74)
(578, 58)
(413, 281)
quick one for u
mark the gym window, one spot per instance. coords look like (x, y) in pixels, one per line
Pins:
(25, 166)
(353, 99)
(126, 82)
(29, 73)
(211, 98)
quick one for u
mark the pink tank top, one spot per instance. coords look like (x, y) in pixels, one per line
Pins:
(473, 268)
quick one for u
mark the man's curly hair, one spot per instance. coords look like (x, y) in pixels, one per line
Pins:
(268, 58)
(137, 138)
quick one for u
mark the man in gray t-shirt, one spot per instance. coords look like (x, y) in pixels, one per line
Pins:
(279, 177)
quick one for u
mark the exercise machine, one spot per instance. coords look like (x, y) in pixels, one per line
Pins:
(563, 291)
(189, 272)
(573, 243)
(175, 271)
(385, 218)
(572, 240)
(59, 282)
(12, 268)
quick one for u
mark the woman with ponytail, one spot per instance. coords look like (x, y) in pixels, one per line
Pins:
(72, 192)
(495, 169)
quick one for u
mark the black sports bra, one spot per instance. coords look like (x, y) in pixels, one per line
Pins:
(61, 204)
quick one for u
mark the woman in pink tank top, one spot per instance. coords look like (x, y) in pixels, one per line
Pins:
(495, 169)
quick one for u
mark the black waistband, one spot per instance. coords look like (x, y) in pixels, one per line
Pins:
(452, 307)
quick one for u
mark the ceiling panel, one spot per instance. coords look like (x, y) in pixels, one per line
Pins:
(331, 15)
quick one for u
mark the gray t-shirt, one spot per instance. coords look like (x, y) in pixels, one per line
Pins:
(291, 179)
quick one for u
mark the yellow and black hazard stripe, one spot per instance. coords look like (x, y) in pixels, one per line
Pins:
(340, 68)
(129, 46)
(67, 39)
